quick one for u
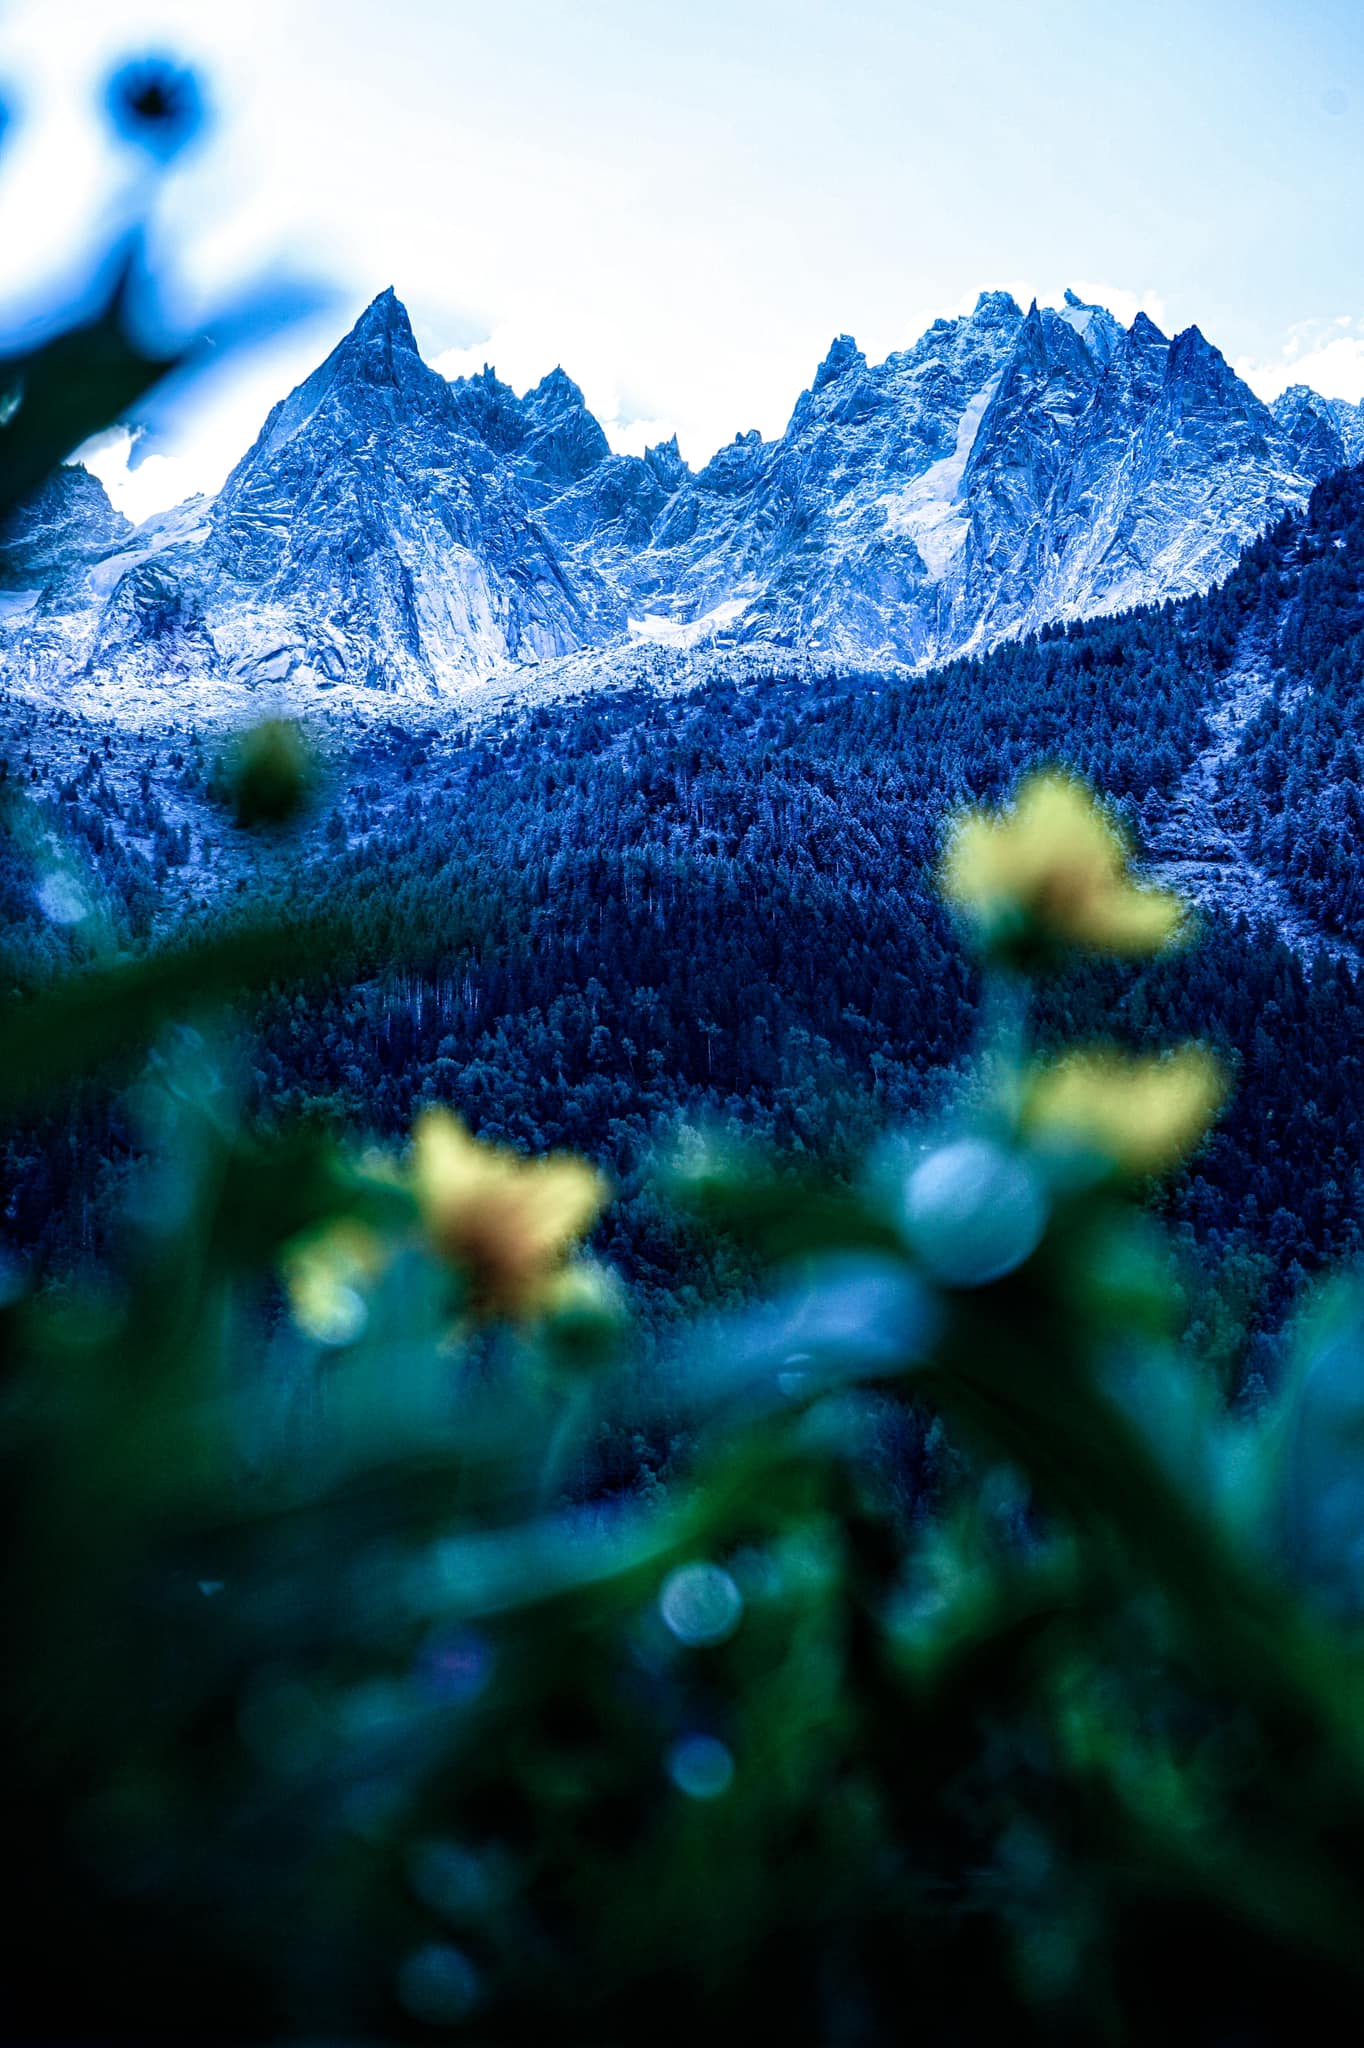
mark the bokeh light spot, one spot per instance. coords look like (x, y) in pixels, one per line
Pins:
(701, 1766)
(701, 1604)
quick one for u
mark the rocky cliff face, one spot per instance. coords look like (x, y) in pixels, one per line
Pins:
(66, 524)
(398, 531)
(1349, 420)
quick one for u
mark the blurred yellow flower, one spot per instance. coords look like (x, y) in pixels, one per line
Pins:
(508, 1223)
(1142, 1113)
(326, 1273)
(1054, 866)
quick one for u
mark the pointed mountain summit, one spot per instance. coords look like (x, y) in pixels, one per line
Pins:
(563, 441)
(1194, 365)
(844, 354)
(383, 541)
(996, 309)
(666, 462)
(375, 369)
(385, 314)
(1176, 466)
(380, 332)
(1095, 325)
(555, 393)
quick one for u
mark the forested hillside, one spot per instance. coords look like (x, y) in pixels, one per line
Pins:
(586, 922)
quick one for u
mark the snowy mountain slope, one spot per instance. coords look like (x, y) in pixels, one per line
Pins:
(390, 530)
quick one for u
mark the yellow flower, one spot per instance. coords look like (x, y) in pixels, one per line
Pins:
(1143, 1114)
(325, 1274)
(508, 1223)
(1054, 866)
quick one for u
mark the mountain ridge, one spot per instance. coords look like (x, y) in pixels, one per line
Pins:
(394, 530)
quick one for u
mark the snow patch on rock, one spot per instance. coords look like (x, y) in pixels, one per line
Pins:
(929, 508)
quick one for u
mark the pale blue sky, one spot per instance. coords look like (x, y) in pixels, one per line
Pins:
(683, 204)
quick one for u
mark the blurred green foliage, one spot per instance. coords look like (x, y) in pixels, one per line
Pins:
(271, 774)
(348, 1700)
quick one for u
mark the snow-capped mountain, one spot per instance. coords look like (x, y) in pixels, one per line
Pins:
(396, 530)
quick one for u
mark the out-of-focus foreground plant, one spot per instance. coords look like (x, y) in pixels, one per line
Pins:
(343, 1705)
(342, 1702)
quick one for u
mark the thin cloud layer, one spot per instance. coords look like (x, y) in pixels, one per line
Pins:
(1328, 355)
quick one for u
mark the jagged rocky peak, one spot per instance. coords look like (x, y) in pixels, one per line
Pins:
(382, 522)
(1051, 346)
(1314, 427)
(489, 409)
(844, 354)
(971, 347)
(383, 320)
(374, 370)
(1043, 384)
(1135, 371)
(1301, 436)
(996, 309)
(1193, 356)
(842, 390)
(734, 468)
(666, 462)
(555, 394)
(1144, 334)
(563, 440)
(1197, 375)
(380, 350)
(1300, 401)
(1094, 324)
(549, 435)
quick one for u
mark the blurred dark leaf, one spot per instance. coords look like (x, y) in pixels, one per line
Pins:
(54, 396)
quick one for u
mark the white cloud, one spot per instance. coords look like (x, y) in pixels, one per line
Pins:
(138, 488)
(635, 436)
(1327, 354)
